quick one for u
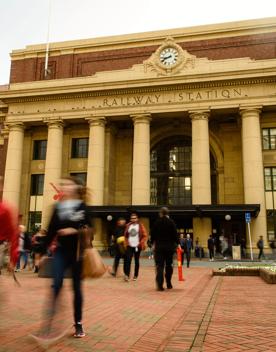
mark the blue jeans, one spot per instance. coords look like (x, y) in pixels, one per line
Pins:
(61, 262)
(24, 255)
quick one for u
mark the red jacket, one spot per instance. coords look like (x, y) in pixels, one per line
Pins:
(9, 229)
(142, 235)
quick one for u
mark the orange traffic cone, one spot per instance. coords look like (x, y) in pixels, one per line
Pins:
(179, 264)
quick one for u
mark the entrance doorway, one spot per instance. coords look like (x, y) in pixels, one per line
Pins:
(233, 230)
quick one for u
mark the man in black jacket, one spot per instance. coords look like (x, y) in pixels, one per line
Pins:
(211, 247)
(165, 239)
(118, 239)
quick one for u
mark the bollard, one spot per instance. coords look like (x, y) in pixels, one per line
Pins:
(180, 274)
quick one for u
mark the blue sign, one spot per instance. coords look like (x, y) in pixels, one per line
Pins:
(248, 217)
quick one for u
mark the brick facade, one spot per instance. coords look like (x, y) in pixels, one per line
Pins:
(261, 46)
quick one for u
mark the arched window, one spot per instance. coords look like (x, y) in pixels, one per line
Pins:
(171, 172)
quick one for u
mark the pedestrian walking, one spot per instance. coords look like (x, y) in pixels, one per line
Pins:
(150, 249)
(118, 245)
(165, 239)
(37, 245)
(260, 245)
(224, 247)
(187, 248)
(243, 247)
(70, 215)
(135, 242)
(211, 247)
(24, 248)
(8, 232)
(182, 245)
(197, 248)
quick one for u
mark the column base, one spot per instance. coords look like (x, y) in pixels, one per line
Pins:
(202, 228)
(100, 234)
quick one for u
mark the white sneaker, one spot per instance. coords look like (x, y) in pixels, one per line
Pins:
(126, 278)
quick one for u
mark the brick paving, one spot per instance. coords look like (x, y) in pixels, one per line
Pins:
(204, 313)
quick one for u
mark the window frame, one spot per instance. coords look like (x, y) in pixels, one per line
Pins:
(37, 151)
(76, 149)
(271, 176)
(77, 175)
(38, 186)
(269, 137)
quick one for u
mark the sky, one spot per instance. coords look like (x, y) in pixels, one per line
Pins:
(24, 22)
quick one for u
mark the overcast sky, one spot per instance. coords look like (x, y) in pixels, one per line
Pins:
(24, 22)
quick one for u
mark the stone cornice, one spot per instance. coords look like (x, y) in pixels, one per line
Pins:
(230, 29)
(10, 96)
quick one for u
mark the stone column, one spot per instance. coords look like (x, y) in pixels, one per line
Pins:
(13, 170)
(253, 169)
(141, 160)
(53, 167)
(95, 166)
(95, 173)
(201, 177)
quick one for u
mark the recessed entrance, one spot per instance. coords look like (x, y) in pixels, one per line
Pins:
(171, 172)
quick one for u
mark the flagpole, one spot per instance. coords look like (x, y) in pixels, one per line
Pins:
(47, 41)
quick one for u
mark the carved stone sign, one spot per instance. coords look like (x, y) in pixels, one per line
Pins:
(169, 97)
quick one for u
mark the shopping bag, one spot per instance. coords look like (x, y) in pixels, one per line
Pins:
(93, 265)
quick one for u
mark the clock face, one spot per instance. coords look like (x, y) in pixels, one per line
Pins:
(168, 56)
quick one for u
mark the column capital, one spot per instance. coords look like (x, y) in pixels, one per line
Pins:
(250, 109)
(96, 121)
(56, 122)
(141, 118)
(199, 114)
(14, 126)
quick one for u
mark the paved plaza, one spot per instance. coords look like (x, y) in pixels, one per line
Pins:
(203, 313)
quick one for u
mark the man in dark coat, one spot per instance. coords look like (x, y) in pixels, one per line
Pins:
(165, 239)
(118, 239)
(187, 247)
(211, 247)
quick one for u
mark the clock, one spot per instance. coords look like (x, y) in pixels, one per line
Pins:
(169, 56)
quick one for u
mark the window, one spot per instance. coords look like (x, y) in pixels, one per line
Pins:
(171, 172)
(34, 221)
(37, 184)
(39, 152)
(80, 175)
(79, 147)
(270, 178)
(269, 138)
(271, 224)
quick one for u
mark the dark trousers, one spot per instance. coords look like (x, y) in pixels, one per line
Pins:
(211, 253)
(163, 261)
(188, 257)
(118, 256)
(130, 252)
(261, 253)
(61, 262)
